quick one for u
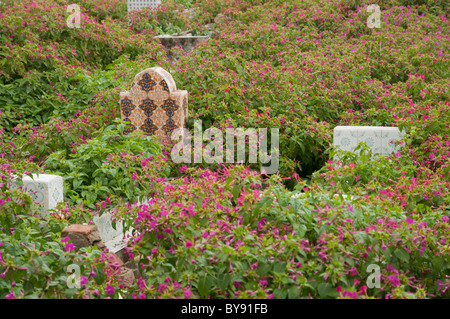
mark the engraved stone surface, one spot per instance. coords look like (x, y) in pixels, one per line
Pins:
(380, 139)
(45, 189)
(139, 4)
(114, 239)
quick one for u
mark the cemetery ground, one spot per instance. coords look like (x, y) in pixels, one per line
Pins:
(358, 209)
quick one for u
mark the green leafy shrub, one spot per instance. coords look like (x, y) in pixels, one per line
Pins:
(113, 164)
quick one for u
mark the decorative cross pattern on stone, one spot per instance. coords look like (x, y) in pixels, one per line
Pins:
(139, 4)
(380, 139)
(154, 105)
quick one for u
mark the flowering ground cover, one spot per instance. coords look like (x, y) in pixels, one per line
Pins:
(313, 230)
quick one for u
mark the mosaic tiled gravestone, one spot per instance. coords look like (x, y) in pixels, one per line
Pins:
(45, 189)
(380, 139)
(139, 4)
(154, 105)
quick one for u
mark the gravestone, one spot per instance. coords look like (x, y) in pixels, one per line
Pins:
(188, 42)
(154, 105)
(139, 4)
(114, 239)
(381, 140)
(45, 189)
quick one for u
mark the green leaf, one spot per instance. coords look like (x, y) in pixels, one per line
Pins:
(437, 263)
(362, 237)
(386, 253)
(236, 191)
(70, 292)
(324, 289)
(279, 267)
(280, 293)
(293, 292)
(28, 287)
(99, 276)
(204, 286)
(264, 202)
(223, 281)
(263, 268)
(300, 230)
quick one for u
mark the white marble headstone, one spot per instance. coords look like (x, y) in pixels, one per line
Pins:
(45, 189)
(139, 4)
(380, 139)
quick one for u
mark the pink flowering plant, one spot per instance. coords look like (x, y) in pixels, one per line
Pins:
(361, 228)
(113, 164)
(33, 257)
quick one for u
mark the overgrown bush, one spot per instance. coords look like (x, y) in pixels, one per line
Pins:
(111, 165)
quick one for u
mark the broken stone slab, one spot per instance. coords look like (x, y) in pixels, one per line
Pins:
(124, 275)
(187, 42)
(221, 18)
(115, 239)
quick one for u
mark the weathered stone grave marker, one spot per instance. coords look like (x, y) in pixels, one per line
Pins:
(45, 189)
(380, 139)
(188, 42)
(114, 239)
(139, 4)
(154, 105)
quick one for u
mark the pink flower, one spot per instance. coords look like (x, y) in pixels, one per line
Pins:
(431, 156)
(445, 219)
(162, 287)
(394, 280)
(65, 239)
(362, 290)
(398, 154)
(187, 294)
(10, 295)
(83, 281)
(409, 220)
(189, 244)
(69, 247)
(110, 290)
(338, 288)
